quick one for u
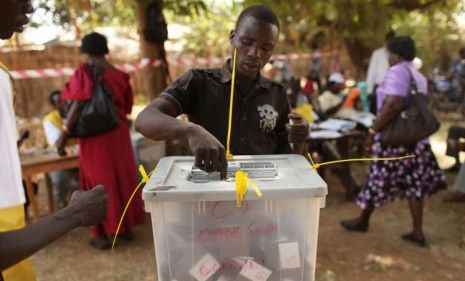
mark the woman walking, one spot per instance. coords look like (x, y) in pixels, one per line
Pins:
(414, 178)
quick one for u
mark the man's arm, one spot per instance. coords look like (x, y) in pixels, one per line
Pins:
(85, 209)
(157, 121)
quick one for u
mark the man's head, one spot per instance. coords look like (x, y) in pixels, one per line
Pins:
(56, 102)
(254, 38)
(55, 99)
(391, 34)
(13, 15)
(462, 53)
(336, 82)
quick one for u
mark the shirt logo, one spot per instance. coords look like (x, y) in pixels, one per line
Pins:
(268, 117)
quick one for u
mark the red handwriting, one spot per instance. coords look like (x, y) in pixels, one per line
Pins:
(208, 268)
(234, 232)
(255, 230)
(220, 211)
(221, 233)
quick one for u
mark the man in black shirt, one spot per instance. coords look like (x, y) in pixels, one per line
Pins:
(261, 112)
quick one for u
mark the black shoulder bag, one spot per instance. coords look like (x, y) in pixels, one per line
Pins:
(99, 114)
(414, 123)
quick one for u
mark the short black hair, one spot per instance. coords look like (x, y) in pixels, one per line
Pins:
(94, 44)
(259, 12)
(403, 46)
(53, 94)
(391, 34)
(462, 51)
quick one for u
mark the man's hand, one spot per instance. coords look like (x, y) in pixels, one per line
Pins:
(208, 151)
(90, 207)
(297, 128)
(61, 143)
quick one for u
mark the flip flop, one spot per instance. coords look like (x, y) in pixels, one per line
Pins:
(412, 238)
(357, 227)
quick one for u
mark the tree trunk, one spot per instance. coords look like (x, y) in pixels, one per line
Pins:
(154, 77)
(359, 55)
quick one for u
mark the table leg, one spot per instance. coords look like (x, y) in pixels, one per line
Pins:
(51, 199)
(32, 198)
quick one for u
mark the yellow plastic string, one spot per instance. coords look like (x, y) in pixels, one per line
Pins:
(145, 178)
(231, 101)
(242, 179)
(317, 165)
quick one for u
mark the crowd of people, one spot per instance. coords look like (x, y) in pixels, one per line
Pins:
(107, 169)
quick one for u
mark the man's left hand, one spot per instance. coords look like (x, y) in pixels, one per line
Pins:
(298, 128)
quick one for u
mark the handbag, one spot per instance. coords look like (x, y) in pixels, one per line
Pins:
(99, 114)
(414, 123)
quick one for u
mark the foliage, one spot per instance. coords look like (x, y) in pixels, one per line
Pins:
(361, 24)
(87, 14)
(209, 34)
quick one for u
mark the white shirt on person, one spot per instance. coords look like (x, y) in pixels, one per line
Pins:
(11, 187)
(378, 67)
(329, 100)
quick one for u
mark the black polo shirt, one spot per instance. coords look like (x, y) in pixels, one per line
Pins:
(259, 118)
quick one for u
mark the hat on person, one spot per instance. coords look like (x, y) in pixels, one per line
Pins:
(336, 77)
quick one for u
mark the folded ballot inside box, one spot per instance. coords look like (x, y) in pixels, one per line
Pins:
(201, 235)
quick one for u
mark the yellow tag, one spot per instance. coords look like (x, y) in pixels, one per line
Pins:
(242, 179)
(142, 171)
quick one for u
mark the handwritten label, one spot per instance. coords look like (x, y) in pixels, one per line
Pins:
(289, 255)
(234, 232)
(255, 272)
(205, 268)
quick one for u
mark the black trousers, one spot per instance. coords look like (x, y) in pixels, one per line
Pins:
(455, 132)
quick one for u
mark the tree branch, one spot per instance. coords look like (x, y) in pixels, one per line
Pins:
(411, 5)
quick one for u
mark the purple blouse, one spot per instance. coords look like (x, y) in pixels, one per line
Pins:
(397, 82)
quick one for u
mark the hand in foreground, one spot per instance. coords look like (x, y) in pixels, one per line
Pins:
(90, 207)
(61, 143)
(208, 151)
(297, 128)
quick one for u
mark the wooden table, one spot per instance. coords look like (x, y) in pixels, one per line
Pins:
(44, 163)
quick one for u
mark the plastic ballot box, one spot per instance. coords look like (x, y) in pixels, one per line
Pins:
(201, 234)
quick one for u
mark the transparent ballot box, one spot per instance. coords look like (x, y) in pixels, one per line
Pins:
(200, 234)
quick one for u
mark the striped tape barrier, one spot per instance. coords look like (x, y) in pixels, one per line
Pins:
(132, 67)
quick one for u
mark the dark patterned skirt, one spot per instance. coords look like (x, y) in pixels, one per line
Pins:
(417, 177)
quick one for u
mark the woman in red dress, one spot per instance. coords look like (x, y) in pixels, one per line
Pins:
(105, 158)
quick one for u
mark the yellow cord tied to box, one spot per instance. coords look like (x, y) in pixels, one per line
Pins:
(242, 180)
(231, 103)
(318, 165)
(145, 179)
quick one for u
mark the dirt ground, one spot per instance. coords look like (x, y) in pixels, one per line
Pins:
(377, 255)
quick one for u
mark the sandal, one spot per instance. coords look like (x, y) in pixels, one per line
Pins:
(354, 225)
(101, 243)
(415, 239)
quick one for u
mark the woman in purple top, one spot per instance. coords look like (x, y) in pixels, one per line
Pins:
(414, 178)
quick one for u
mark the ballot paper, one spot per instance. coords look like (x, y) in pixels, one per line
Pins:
(337, 125)
(324, 134)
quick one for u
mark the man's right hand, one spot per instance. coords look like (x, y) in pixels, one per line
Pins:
(90, 207)
(208, 151)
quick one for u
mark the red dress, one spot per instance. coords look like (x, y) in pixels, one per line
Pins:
(108, 158)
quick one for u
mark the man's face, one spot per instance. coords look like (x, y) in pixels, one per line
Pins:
(254, 41)
(13, 16)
